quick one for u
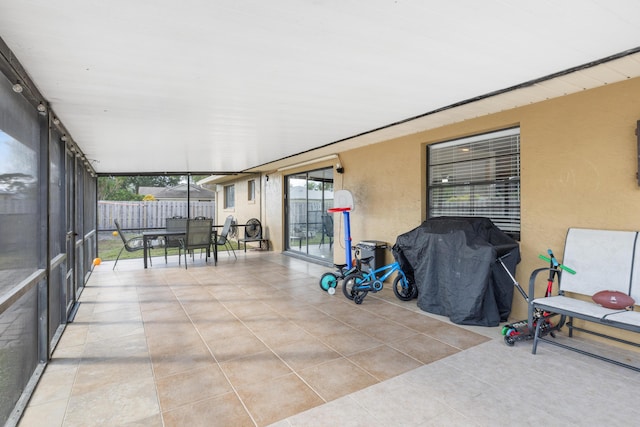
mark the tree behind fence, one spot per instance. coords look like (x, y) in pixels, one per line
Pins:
(151, 214)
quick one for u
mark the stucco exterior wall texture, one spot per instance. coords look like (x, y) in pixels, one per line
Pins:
(578, 169)
(244, 209)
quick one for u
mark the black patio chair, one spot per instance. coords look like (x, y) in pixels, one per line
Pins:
(132, 244)
(327, 229)
(223, 237)
(198, 236)
(176, 223)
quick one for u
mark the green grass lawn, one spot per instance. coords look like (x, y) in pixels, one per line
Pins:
(109, 246)
(108, 250)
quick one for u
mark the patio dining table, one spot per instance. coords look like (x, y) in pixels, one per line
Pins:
(150, 235)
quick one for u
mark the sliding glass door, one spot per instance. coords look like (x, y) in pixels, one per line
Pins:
(308, 226)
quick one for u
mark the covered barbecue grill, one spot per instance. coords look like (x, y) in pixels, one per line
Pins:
(453, 263)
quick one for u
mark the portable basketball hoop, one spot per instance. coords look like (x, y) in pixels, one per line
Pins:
(343, 202)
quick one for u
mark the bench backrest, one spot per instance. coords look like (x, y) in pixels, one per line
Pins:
(603, 260)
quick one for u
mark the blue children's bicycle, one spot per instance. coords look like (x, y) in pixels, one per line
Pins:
(356, 285)
(330, 280)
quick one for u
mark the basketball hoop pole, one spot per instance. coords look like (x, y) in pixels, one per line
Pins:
(347, 238)
(347, 233)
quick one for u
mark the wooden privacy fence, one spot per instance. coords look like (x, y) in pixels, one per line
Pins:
(151, 214)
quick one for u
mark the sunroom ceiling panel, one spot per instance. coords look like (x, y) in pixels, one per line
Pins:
(227, 86)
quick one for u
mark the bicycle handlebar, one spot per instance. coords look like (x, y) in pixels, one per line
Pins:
(555, 262)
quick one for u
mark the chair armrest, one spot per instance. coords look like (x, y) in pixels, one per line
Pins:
(135, 242)
(532, 282)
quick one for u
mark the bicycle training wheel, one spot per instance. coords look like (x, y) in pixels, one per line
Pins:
(360, 297)
(328, 280)
(404, 290)
(351, 281)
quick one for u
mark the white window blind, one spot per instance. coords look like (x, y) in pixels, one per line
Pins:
(477, 176)
(229, 196)
(251, 189)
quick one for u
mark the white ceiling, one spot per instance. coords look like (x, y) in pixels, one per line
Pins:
(234, 85)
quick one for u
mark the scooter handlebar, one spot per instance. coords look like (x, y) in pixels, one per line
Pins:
(556, 263)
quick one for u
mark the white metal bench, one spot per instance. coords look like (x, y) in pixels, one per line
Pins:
(603, 260)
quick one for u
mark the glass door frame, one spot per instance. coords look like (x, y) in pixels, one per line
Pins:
(308, 195)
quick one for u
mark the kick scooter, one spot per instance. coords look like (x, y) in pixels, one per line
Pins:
(522, 331)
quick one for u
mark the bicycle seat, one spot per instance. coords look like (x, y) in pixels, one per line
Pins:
(340, 266)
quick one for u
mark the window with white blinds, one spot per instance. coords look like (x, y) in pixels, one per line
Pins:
(477, 176)
(229, 196)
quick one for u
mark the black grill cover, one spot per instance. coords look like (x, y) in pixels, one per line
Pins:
(453, 262)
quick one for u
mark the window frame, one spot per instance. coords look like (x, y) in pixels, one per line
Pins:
(229, 196)
(251, 190)
(477, 176)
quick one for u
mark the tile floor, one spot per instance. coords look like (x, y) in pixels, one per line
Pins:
(255, 342)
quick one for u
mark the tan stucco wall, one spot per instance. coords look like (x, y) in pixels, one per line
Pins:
(274, 210)
(578, 167)
(243, 209)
